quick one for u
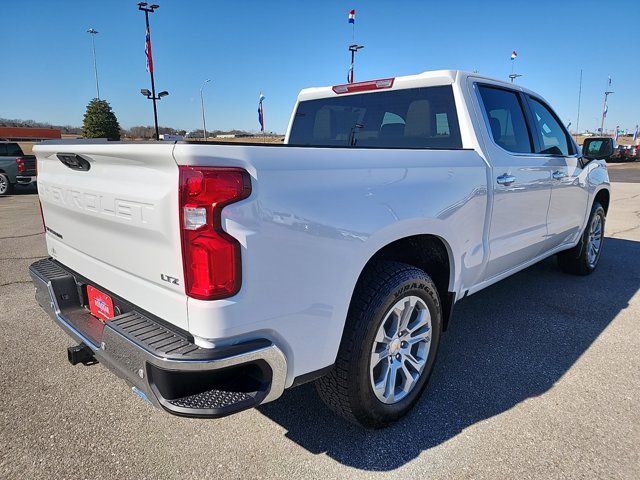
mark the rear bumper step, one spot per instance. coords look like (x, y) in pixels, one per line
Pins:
(25, 179)
(158, 361)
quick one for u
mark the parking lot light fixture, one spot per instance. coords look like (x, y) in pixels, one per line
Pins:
(513, 76)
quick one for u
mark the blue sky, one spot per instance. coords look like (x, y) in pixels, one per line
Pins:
(281, 47)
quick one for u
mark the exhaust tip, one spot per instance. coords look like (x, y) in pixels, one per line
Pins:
(81, 353)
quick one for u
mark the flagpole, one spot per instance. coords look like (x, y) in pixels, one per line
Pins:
(579, 99)
(353, 42)
(143, 6)
(513, 76)
(153, 82)
(354, 47)
(353, 32)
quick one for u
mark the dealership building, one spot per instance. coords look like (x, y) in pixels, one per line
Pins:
(25, 134)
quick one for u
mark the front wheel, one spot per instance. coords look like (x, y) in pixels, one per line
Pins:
(583, 258)
(388, 347)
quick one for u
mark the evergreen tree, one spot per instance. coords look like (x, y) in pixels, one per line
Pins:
(100, 121)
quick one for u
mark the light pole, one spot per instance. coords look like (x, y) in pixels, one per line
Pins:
(353, 48)
(204, 121)
(93, 34)
(143, 6)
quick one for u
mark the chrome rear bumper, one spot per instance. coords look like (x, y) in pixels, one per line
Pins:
(159, 362)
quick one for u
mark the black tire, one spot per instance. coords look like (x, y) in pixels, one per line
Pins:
(6, 188)
(576, 261)
(347, 389)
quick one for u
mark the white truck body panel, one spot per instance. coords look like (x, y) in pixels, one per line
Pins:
(314, 219)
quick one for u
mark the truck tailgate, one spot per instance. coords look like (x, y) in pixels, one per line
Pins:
(117, 222)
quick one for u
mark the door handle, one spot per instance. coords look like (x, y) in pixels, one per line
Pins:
(506, 179)
(558, 175)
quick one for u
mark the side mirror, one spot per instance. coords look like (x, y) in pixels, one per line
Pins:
(600, 148)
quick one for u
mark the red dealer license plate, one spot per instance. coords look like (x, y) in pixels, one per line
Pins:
(100, 303)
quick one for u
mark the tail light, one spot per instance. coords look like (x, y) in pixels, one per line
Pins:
(211, 257)
(20, 163)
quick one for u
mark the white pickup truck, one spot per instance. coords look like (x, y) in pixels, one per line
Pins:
(212, 277)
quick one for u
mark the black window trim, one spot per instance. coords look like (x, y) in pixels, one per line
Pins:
(525, 112)
(538, 145)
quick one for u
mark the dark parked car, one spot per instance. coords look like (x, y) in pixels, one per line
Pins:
(16, 168)
(619, 154)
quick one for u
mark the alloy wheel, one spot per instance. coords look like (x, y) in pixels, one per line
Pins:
(400, 349)
(594, 242)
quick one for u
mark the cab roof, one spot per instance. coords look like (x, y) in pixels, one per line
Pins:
(429, 78)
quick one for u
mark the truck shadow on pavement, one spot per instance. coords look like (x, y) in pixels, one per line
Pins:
(506, 344)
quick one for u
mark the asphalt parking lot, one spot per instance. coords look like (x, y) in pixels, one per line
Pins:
(625, 172)
(538, 377)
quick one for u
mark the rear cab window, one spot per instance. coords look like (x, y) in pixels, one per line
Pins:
(409, 118)
(506, 118)
(10, 150)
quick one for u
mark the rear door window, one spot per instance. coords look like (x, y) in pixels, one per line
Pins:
(410, 118)
(506, 118)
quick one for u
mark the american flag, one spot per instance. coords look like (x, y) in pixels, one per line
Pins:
(147, 51)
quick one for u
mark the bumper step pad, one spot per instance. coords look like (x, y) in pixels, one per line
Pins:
(215, 399)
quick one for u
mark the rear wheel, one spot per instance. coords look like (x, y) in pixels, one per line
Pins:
(583, 258)
(5, 186)
(388, 348)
